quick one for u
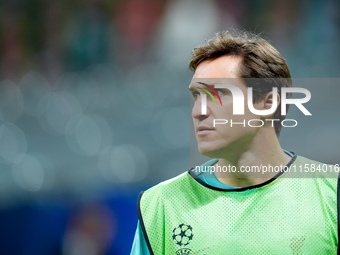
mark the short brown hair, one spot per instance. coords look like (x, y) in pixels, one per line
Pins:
(259, 60)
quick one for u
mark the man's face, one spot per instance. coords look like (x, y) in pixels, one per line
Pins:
(216, 141)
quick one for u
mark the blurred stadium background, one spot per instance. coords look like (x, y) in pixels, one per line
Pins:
(94, 106)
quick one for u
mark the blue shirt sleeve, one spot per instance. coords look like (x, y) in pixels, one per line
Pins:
(139, 246)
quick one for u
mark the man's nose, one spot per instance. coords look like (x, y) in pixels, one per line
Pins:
(199, 112)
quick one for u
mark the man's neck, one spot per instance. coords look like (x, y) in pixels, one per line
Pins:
(263, 153)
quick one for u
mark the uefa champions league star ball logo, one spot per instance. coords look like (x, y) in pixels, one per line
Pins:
(182, 235)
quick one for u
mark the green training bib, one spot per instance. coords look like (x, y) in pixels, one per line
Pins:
(280, 216)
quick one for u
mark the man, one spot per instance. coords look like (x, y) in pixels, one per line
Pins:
(237, 211)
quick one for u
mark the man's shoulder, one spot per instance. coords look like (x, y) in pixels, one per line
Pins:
(166, 186)
(162, 193)
(308, 168)
(300, 160)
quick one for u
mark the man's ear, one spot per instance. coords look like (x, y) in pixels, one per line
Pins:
(268, 101)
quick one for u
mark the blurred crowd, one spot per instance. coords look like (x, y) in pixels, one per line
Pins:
(53, 37)
(94, 105)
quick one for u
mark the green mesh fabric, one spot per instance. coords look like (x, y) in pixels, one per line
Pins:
(284, 216)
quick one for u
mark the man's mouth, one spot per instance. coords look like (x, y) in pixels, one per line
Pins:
(200, 130)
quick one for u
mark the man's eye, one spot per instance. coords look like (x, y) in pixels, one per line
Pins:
(219, 92)
(195, 94)
(223, 92)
